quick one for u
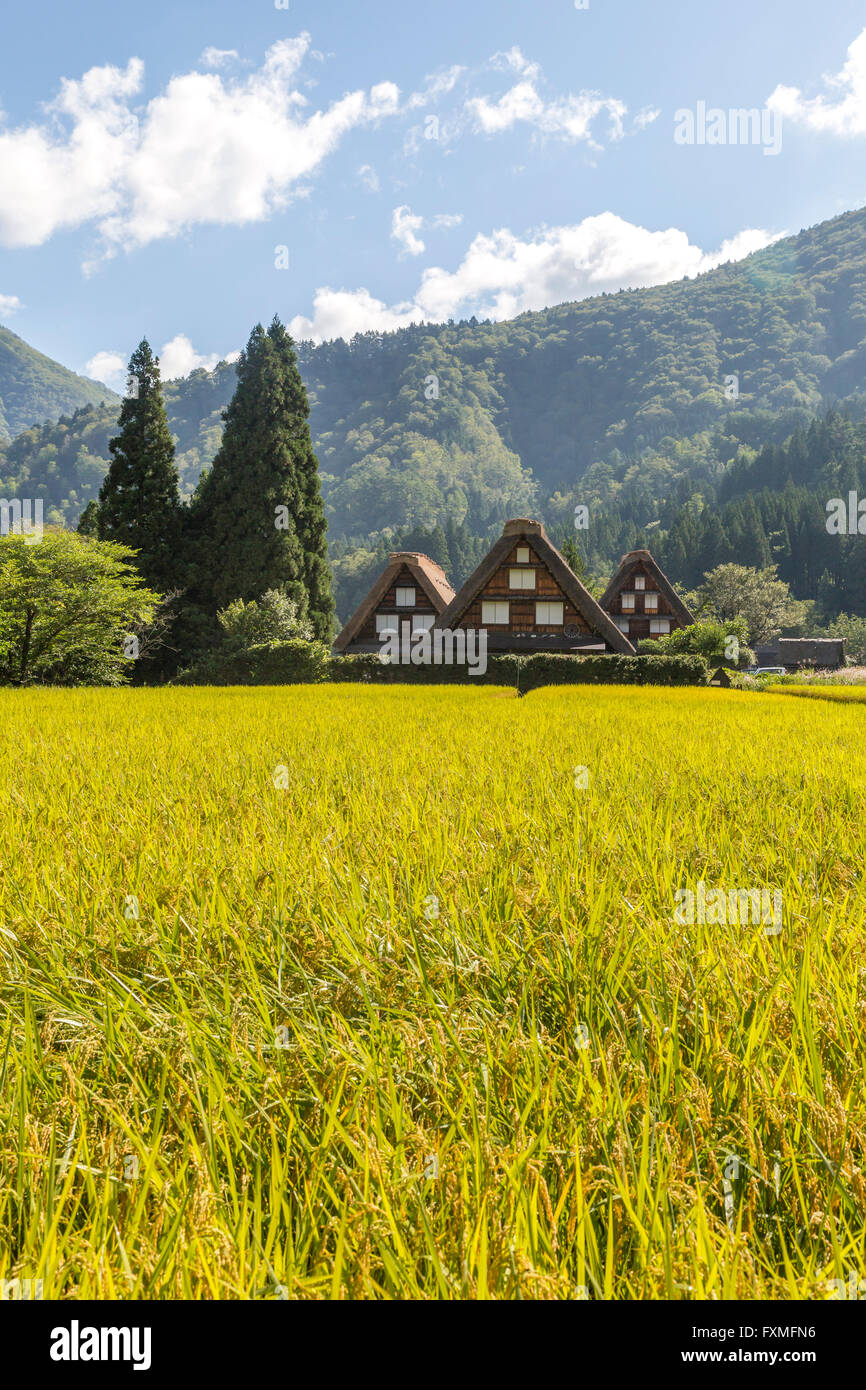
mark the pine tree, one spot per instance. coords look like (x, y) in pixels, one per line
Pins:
(312, 525)
(139, 502)
(258, 512)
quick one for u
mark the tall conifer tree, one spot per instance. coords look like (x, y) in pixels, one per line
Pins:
(259, 512)
(139, 502)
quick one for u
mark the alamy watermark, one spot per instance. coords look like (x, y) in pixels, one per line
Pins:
(846, 520)
(730, 907)
(737, 126)
(21, 517)
(436, 647)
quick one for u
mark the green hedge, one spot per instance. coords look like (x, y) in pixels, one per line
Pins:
(529, 672)
(305, 663)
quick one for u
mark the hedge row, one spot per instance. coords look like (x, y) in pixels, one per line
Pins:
(294, 663)
(531, 672)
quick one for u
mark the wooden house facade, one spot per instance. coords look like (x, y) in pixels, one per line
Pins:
(406, 598)
(641, 600)
(527, 599)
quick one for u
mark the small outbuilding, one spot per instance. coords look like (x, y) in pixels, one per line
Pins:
(821, 653)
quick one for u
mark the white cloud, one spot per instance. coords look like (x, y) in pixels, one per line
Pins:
(842, 111)
(177, 358)
(207, 149)
(9, 305)
(50, 181)
(218, 57)
(404, 225)
(502, 275)
(514, 61)
(448, 219)
(343, 313)
(369, 178)
(109, 368)
(570, 118)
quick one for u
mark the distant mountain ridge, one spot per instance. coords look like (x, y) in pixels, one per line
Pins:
(34, 388)
(636, 401)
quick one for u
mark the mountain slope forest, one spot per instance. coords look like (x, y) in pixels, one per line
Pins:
(711, 419)
(33, 388)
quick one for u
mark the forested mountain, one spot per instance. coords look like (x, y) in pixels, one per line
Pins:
(33, 388)
(617, 402)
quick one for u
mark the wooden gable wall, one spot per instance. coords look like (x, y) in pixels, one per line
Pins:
(640, 617)
(404, 579)
(522, 601)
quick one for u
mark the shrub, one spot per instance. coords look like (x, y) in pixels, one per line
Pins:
(292, 662)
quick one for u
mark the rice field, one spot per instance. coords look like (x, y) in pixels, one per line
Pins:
(844, 694)
(358, 993)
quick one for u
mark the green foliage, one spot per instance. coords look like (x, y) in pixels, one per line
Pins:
(258, 513)
(66, 606)
(261, 642)
(708, 639)
(272, 618)
(854, 632)
(758, 597)
(294, 661)
(616, 402)
(139, 504)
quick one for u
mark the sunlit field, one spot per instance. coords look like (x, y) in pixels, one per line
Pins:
(376, 993)
(844, 694)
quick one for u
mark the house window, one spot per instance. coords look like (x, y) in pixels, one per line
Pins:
(650, 602)
(521, 579)
(660, 627)
(548, 615)
(387, 622)
(494, 612)
(639, 582)
(523, 555)
(406, 597)
(422, 622)
(622, 624)
(628, 603)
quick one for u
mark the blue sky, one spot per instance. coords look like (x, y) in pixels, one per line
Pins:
(185, 170)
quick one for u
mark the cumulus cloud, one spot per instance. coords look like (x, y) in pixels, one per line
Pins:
(404, 225)
(177, 358)
(108, 367)
(9, 305)
(839, 111)
(502, 275)
(207, 149)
